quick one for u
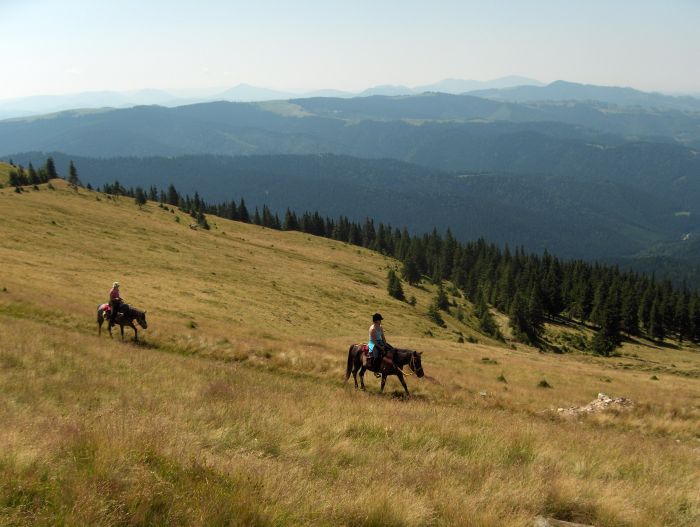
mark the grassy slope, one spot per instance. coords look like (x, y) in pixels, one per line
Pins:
(244, 418)
(5, 173)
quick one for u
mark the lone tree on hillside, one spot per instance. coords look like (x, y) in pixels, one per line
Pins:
(73, 178)
(51, 168)
(441, 300)
(394, 286)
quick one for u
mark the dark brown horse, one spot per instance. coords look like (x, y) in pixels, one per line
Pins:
(125, 317)
(392, 364)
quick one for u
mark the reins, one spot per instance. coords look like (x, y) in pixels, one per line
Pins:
(411, 365)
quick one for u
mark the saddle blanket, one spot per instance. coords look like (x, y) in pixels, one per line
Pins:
(105, 308)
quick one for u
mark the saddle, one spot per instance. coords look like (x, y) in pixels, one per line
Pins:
(386, 365)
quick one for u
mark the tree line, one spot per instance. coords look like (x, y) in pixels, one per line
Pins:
(530, 288)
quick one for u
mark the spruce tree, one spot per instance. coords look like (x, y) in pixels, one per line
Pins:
(32, 175)
(657, 331)
(681, 317)
(173, 198)
(243, 212)
(607, 338)
(290, 221)
(394, 285)
(139, 196)
(441, 300)
(518, 318)
(535, 314)
(51, 168)
(73, 178)
(630, 311)
(434, 314)
(410, 271)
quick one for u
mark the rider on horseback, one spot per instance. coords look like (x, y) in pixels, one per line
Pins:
(115, 301)
(377, 344)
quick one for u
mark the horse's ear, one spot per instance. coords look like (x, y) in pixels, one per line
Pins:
(420, 353)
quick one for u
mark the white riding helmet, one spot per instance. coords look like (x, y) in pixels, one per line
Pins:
(115, 284)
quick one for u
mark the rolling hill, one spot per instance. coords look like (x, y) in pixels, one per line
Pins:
(233, 409)
(572, 215)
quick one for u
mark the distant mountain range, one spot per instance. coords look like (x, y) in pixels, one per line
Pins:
(616, 178)
(569, 91)
(43, 104)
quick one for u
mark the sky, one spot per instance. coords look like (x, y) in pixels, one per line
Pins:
(69, 46)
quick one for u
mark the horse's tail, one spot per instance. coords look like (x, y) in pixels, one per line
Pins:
(350, 361)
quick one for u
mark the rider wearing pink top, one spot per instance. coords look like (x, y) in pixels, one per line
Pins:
(115, 301)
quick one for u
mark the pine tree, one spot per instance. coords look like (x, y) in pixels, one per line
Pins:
(694, 317)
(410, 271)
(243, 212)
(630, 311)
(434, 314)
(518, 318)
(33, 177)
(681, 317)
(73, 178)
(394, 286)
(607, 338)
(657, 331)
(173, 197)
(441, 300)
(290, 221)
(51, 168)
(139, 196)
(535, 314)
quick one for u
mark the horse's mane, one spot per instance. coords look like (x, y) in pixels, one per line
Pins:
(136, 312)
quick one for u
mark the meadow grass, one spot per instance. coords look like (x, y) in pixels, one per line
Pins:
(233, 410)
(5, 169)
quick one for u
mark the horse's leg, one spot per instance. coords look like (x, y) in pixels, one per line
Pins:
(354, 374)
(383, 381)
(136, 332)
(122, 328)
(362, 377)
(403, 382)
(99, 324)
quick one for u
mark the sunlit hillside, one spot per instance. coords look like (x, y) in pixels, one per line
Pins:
(233, 410)
(5, 173)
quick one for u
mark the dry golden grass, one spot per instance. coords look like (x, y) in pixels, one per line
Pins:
(233, 411)
(5, 169)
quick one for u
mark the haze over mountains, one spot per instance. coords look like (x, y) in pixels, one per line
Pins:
(582, 171)
(41, 104)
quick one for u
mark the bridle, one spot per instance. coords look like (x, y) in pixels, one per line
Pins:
(411, 365)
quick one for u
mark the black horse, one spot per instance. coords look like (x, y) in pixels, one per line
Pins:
(124, 317)
(392, 364)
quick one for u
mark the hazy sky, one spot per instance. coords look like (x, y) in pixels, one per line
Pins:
(52, 46)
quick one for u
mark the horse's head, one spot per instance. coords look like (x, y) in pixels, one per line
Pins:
(416, 365)
(141, 319)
